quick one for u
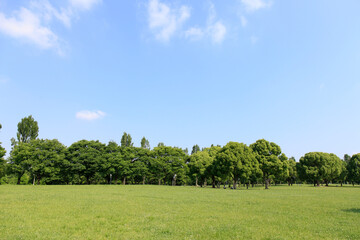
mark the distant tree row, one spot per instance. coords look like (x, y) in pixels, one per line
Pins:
(43, 161)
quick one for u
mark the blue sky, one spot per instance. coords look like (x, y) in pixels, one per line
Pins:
(184, 72)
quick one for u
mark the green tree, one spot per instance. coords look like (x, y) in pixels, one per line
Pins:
(168, 164)
(126, 140)
(47, 159)
(353, 169)
(20, 159)
(319, 167)
(161, 144)
(145, 143)
(86, 159)
(238, 162)
(195, 149)
(267, 154)
(347, 158)
(28, 130)
(198, 165)
(292, 171)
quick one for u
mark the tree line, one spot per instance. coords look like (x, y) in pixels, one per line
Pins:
(43, 161)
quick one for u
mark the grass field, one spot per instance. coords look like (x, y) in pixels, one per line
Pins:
(164, 212)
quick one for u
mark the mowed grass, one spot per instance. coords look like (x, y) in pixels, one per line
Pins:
(165, 212)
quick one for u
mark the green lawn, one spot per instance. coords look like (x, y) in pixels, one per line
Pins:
(164, 212)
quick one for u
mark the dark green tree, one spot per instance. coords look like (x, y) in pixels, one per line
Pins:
(28, 130)
(292, 171)
(47, 160)
(238, 162)
(20, 160)
(145, 143)
(195, 149)
(347, 158)
(161, 144)
(267, 154)
(319, 167)
(86, 159)
(353, 169)
(126, 140)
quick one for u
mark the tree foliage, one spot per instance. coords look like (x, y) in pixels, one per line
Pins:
(28, 130)
(126, 140)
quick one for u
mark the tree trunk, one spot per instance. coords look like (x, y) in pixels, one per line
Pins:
(213, 182)
(267, 183)
(205, 182)
(196, 181)
(159, 181)
(318, 183)
(115, 180)
(34, 180)
(234, 183)
(326, 183)
(143, 180)
(124, 181)
(247, 186)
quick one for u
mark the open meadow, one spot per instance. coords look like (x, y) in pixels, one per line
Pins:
(164, 212)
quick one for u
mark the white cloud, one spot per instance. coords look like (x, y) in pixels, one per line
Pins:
(215, 29)
(194, 33)
(165, 21)
(253, 5)
(27, 25)
(89, 115)
(217, 32)
(33, 23)
(243, 21)
(84, 4)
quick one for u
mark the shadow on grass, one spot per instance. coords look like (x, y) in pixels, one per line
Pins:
(352, 210)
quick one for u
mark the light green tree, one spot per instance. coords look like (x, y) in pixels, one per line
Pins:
(28, 130)
(126, 140)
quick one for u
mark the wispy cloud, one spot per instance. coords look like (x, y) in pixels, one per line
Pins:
(24, 24)
(89, 115)
(214, 29)
(165, 20)
(194, 33)
(84, 4)
(253, 5)
(33, 23)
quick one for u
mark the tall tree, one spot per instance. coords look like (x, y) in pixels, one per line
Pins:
(353, 168)
(47, 159)
(20, 159)
(238, 162)
(126, 140)
(86, 158)
(195, 149)
(145, 143)
(267, 154)
(199, 162)
(292, 171)
(347, 158)
(28, 129)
